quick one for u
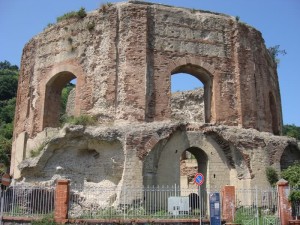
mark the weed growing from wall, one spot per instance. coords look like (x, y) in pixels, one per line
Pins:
(84, 120)
(35, 152)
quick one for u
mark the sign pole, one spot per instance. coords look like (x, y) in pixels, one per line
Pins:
(200, 208)
(199, 180)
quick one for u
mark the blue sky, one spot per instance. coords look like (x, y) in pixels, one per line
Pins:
(278, 20)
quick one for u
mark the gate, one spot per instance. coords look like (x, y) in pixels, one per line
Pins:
(256, 207)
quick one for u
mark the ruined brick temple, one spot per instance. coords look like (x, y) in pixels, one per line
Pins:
(123, 56)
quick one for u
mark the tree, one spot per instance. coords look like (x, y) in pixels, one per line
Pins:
(275, 52)
(292, 175)
(272, 175)
(8, 80)
(291, 131)
(7, 66)
(7, 110)
(64, 96)
(8, 90)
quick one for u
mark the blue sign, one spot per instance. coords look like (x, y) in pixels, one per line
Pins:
(199, 179)
(215, 209)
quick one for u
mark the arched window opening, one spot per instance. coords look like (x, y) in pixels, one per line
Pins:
(193, 160)
(290, 156)
(58, 90)
(274, 116)
(191, 94)
(184, 82)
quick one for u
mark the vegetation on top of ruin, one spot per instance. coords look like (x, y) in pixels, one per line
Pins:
(275, 51)
(85, 120)
(104, 7)
(291, 131)
(35, 152)
(80, 14)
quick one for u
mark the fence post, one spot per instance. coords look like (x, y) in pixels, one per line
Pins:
(284, 206)
(228, 203)
(61, 201)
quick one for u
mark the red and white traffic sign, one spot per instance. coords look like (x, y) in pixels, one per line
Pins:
(5, 180)
(199, 179)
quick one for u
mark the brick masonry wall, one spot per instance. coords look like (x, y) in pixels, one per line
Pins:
(124, 65)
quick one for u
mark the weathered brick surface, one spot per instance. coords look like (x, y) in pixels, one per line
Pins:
(284, 205)
(61, 201)
(228, 203)
(123, 67)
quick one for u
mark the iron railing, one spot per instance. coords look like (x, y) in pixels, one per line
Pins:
(295, 203)
(252, 206)
(163, 202)
(28, 201)
(256, 207)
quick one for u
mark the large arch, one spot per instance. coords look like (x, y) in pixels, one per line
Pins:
(206, 78)
(290, 155)
(52, 103)
(162, 165)
(201, 159)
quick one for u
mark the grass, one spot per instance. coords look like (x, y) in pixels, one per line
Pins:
(104, 7)
(84, 120)
(111, 212)
(35, 152)
(80, 14)
(47, 220)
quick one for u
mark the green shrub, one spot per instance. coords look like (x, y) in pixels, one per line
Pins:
(292, 175)
(73, 14)
(81, 13)
(275, 52)
(5, 148)
(272, 175)
(294, 196)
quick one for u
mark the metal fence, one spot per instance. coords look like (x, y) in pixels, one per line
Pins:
(295, 193)
(256, 207)
(28, 201)
(163, 202)
(252, 207)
